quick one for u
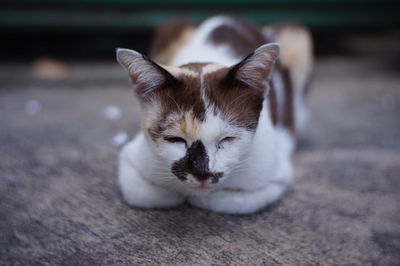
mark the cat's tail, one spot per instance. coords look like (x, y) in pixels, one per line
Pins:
(296, 56)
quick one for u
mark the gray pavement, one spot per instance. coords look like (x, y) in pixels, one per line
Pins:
(59, 204)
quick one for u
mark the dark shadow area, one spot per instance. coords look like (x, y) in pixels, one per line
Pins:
(26, 45)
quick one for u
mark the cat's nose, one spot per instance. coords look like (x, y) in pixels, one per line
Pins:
(201, 176)
(194, 165)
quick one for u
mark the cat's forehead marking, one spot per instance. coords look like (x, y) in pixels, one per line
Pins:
(179, 72)
(190, 126)
(210, 68)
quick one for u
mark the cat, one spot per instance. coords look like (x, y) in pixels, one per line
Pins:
(219, 115)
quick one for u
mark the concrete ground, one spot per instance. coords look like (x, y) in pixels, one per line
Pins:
(59, 204)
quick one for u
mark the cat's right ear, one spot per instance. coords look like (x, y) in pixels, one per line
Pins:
(146, 75)
(255, 70)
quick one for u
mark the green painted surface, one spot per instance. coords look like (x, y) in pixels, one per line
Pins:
(194, 2)
(128, 14)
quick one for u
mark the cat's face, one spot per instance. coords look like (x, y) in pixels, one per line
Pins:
(200, 118)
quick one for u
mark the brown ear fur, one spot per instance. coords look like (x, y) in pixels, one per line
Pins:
(145, 75)
(254, 71)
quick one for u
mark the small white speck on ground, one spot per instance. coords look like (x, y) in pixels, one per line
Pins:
(33, 107)
(119, 139)
(112, 112)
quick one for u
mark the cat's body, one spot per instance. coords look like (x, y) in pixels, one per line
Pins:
(213, 131)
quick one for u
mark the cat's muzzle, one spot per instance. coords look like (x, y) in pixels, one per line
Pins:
(195, 164)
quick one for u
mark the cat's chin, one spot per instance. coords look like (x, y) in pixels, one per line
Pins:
(202, 189)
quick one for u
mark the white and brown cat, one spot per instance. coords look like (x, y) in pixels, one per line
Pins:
(219, 115)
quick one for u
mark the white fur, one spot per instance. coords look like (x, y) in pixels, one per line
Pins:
(200, 51)
(138, 191)
(257, 167)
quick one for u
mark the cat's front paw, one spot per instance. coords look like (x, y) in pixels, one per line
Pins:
(238, 201)
(139, 192)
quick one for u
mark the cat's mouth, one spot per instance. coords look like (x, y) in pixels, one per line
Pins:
(203, 182)
(201, 185)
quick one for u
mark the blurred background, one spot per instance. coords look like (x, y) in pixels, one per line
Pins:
(66, 108)
(90, 29)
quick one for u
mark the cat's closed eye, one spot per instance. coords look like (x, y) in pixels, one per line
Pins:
(225, 140)
(175, 139)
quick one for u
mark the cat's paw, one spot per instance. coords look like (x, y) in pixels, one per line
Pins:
(139, 192)
(238, 201)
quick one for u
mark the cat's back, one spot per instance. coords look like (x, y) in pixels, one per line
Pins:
(221, 39)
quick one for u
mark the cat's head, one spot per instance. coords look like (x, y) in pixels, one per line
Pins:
(200, 118)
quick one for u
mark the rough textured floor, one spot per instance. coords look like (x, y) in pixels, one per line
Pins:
(59, 203)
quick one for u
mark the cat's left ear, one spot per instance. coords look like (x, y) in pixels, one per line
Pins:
(146, 75)
(255, 70)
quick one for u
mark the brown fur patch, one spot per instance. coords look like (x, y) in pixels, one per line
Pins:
(273, 103)
(170, 38)
(288, 105)
(179, 71)
(183, 99)
(238, 104)
(241, 37)
(196, 67)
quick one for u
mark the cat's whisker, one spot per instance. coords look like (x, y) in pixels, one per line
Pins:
(241, 97)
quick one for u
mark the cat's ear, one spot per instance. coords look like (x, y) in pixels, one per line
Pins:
(255, 70)
(146, 75)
